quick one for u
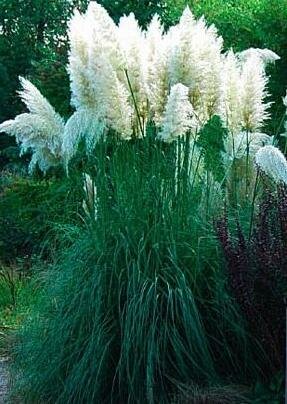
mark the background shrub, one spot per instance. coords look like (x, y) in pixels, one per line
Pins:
(30, 210)
(256, 267)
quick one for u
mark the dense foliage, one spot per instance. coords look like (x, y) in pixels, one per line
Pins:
(30, 210)
(257, 273)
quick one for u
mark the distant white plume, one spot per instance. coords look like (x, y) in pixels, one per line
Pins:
(267, 56)
(254, 93)
(39, 131)
(272, 162)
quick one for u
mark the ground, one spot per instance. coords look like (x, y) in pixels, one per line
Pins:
(4, 379)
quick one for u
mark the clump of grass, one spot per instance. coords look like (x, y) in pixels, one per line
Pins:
(134, 304)
(113, 331)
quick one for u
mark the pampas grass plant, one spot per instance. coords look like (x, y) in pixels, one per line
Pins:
(136, 303)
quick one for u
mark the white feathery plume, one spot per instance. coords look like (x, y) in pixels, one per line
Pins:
(272, 162)
(209, 86)
(79, 36)
(104, 40)
(113, 96)
(266, 56)
(40, 130)
(106, 72)
(178, 115)
(181, 38)
(254, 92)
(133, 47)
(104, 91)
(231, 109)
(36, 102)
(157, 72)
(195, 61)
(91, 35)
(90, 203)
(113, 107)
